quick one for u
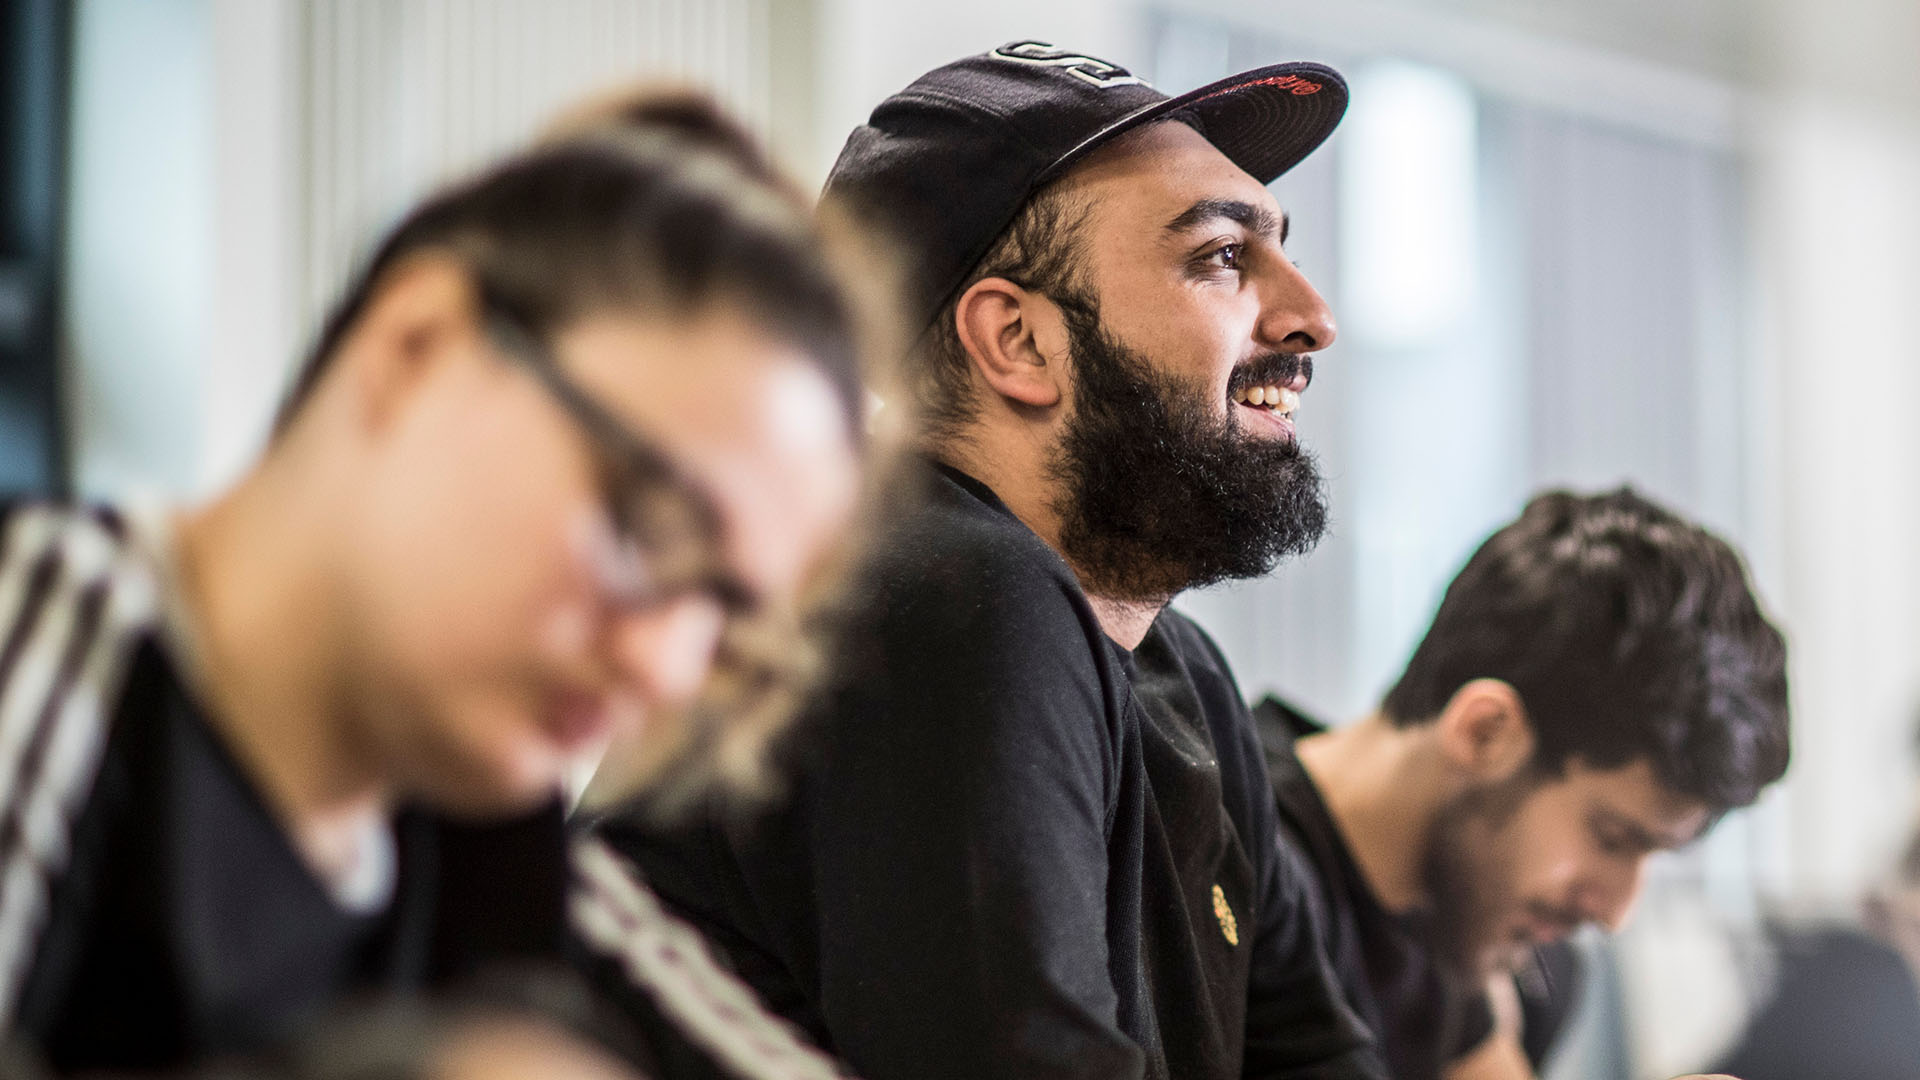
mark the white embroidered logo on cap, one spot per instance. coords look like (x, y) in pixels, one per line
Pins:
(1085, 68)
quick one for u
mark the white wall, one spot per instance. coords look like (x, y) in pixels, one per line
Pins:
(1835, 138)
(255, 318)
(139, 261)
(234, 159)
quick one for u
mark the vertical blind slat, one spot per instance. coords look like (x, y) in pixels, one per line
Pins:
(401, 96)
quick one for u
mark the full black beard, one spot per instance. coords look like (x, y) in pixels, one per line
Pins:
(1158, 492)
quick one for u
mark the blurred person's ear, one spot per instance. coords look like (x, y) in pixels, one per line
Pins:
(423, 314)
(1483, 731)
(1016, 339)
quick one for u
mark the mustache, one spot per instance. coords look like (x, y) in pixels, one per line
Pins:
(1271, 369)
(1566, 917)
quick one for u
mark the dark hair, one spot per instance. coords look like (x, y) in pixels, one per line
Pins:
(664, 209)
(1628, 633)
(687, 114)
(1039, 251)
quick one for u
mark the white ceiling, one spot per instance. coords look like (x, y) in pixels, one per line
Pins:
(1864, 49)
(1710, 37)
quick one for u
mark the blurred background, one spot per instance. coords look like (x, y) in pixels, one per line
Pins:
(1674, 243)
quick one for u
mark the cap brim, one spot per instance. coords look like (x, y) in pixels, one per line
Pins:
(1265, 120)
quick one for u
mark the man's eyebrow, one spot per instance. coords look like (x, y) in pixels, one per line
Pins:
(1256, 219)
(1637, 833)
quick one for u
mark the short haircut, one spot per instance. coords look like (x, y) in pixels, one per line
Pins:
(1628, 633)
(1040, 252)
(655, 207)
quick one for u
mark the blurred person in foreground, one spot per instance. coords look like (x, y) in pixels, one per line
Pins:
(565, 465)
(999, 859)
(1598, 685)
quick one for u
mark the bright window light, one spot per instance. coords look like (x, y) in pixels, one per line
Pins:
(1408, 187)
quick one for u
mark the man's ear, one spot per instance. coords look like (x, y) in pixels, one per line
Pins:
(424, 312)
(1484, 731)
(1015, 338)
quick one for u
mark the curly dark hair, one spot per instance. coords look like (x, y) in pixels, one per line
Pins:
(1629, 634)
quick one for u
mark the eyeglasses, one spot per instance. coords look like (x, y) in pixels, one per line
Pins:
(665, 532)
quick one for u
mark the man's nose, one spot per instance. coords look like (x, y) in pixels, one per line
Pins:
(1294, 317)
(1608, 897)
(666, 651)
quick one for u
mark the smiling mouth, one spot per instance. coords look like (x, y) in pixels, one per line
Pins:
(1277, 400)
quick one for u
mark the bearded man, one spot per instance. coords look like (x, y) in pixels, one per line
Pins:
(1000, 858)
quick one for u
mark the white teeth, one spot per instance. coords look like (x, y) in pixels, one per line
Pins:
(1280, 399)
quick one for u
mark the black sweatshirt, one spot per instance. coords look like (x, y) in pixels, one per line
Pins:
(1427, 1017)
(1002, 857)
(154, 914)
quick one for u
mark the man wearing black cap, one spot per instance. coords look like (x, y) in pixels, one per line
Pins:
(1030, 835)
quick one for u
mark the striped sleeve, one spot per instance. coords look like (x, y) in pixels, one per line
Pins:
(667, 960)
(74, 599)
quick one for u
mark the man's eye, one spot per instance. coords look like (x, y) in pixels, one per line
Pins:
(1227, 256)
(1613, 842)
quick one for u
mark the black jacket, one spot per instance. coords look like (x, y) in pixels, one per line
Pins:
(154, 914)
(1002, 857)
(1425, 1017)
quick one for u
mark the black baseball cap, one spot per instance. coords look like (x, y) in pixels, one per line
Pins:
(944, 165)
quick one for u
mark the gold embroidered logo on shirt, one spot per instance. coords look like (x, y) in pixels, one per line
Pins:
(1222, 911)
